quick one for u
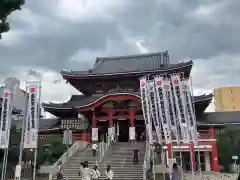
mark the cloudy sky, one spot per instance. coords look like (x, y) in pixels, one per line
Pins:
(50, 35)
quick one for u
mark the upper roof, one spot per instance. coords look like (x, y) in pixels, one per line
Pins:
(129, 64)
(78, 101)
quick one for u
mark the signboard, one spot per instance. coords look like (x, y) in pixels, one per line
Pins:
(31, 129)
(67, 137)
(74, 124)
(5, 119)
(234, 157)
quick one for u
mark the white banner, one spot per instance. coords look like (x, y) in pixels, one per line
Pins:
(31, 129)
(94, 134)
(191, 113)
(154, 109)
(67, 137)
(180, 108)
(132, 133)
(163, 107)
(5, 119)
(146, 107)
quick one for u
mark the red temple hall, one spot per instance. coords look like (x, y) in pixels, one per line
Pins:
(111, 99)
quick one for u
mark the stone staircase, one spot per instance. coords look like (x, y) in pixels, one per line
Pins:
(71, 168)
(120, 157)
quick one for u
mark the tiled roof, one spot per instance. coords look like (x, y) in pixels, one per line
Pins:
(47, 123)
(133, 63)
(221, 118)
(81, 100)
(130, 64)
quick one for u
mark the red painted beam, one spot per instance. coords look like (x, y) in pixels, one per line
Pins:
(118, 117)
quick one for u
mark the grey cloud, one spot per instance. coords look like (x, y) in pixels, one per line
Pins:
(164, 25)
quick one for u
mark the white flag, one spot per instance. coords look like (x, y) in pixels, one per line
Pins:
(31, 132)
(146, 107)
(191, 114)
(5, 119)
(180, 108)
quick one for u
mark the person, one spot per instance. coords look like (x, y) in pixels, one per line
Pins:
(135, 156)
(94, 149)
(85, 172)
(176, 172)
(60, 175)
(238, 178)
(96, 173)
(109, 173)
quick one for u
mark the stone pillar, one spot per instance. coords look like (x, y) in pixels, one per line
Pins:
(193, 156)
(214, 154)
(132, 133)
(94, 127)
(207, 161)
(110, 123)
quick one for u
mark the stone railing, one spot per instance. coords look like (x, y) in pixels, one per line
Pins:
(78, 145)
(103, 147)
(146, 163)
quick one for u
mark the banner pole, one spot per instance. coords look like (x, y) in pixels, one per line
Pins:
(4, 165)
(36, 149)
(8, 132)
(22, 132)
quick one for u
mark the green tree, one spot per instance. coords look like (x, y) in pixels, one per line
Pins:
(228, 145)
(6, 8)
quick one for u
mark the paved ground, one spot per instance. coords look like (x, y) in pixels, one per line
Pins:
(211, 176)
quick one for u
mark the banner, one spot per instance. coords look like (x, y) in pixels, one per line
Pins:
(191, 114)
(94, 134)
(67, 137)
(172, 114)
(5, 119)
(180, 108)
(154, 109)
(163, 107)
(146, 107)
(31, 129)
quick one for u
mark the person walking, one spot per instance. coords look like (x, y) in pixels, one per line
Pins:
(135, 156)
(96, 173)
(176, 172)
(109, 173)
(60, 175)
(94, 149)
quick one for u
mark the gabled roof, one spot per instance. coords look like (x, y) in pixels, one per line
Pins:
(130, 64)
(221, 118)
(78, 101)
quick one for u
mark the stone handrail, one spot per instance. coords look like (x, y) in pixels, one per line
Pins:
(103, 147)
(146, 161)
(78, 145)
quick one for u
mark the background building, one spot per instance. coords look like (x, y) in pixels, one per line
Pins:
(227, 99)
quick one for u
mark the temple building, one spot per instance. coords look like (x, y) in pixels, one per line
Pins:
(111, 98)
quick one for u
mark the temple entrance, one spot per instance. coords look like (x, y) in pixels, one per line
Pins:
(140, 130)
(186, 162)
(123, 130)
(102, 130)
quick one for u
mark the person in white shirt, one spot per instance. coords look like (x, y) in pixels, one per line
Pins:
(94, 149)
(85, 172)
(96, 173)
(109, 173)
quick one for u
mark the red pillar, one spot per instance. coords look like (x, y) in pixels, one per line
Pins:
(193, 156)
(132, 133)
(214, 154)
(110, 122)
(169, 151)
(94, 127)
